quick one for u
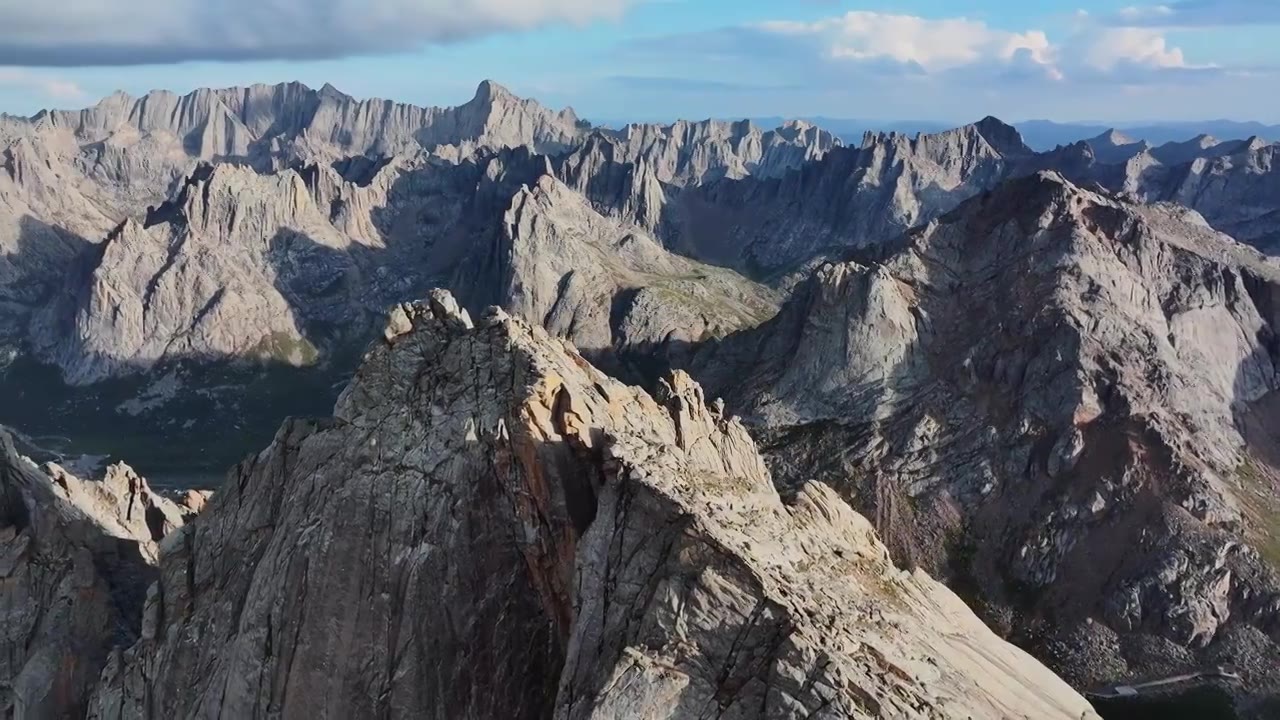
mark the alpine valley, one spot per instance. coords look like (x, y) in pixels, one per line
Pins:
(654, 421)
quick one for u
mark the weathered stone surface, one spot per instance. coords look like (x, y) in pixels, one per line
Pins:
(1011, 393)
(371, 203)
(283, 268)
(192, 502)
(772, 226)
(202, 287)
(698, 152)
(76, 557)
(1039, 398)
(489, 527)
(851, 197)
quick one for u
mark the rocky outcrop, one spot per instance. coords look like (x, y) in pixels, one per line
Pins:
(1203, 147)
(43, 226)
(1039, 397)
(489, 527)
(274, 125)
(196, 226)
(289, 268)
(1235, 192)
(852, 197)
(1231, 183)
(609, 287)
(126, 153)
(775, 228)
(634, 173)
(1059, 401)
(1114, 147)
(76, 558)
(201, 285)
(697, 152)
(351, 216)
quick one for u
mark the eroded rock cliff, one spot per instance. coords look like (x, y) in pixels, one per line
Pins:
(1057, 400)
(76, 557)
(489, 527)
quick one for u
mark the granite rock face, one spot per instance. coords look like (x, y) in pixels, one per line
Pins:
(776, 227)
(1235, 191)
(609, 287)
(489, 527)
(201, 284)
(315, 211)
(1059, 401)
(1231, 183)
(699, 152)
(851, 197)
(286, 268)
(76, 557)
(71, 180)
(76, 175)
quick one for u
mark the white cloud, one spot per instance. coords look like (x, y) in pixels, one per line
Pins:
(958, 44)
(1110, 47)
(125, 32)
(931, 44)
(51, 87)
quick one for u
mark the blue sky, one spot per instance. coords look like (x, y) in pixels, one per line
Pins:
(952, 60)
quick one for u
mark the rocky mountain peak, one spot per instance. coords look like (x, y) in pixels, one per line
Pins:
(78, 557)
(1114, 147)
(1113, 138)
(976, 375)
(498, 101)
(1255, 143)
(798, 125)
(600, 549)
(1003, 137)
(987, 138)
(490, 92)
(1011, 367)
(329, 91)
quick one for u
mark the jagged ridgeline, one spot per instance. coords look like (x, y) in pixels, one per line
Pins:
(490, 527)
(153, 246)
(1046, 378)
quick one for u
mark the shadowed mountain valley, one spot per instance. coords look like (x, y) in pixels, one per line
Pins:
(1048, 379)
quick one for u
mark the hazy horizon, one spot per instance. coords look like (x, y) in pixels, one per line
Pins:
(1183, 61)
(942, 122)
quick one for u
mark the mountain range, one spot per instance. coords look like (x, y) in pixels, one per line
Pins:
(1044, 135)
(1047, 379)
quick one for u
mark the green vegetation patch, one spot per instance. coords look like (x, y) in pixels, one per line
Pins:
(1262, 509)
(288, 349)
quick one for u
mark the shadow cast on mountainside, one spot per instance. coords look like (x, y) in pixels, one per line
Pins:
(32, 270)
(981, 503)
(218, 409)
(220, 412)
(75, 591)
(213, 412)
(768, 228)
(1256, 482)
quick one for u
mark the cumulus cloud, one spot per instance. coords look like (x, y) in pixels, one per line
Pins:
(931, 44)
(962, 46)
(130, 32)
(891, 64)
(1110, 47)
(46, 85)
